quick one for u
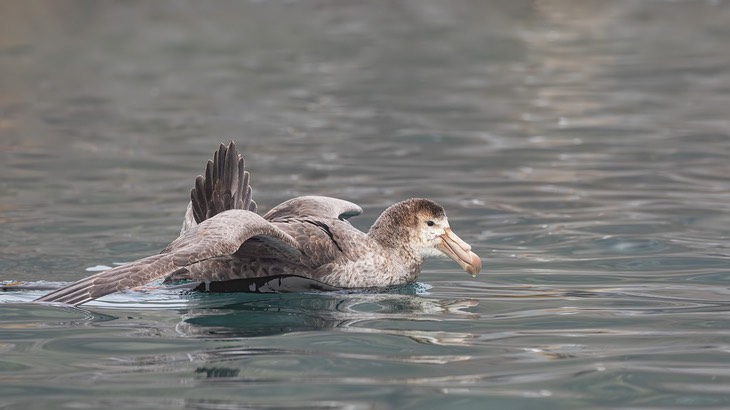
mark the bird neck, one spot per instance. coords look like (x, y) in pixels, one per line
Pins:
(392, 234)
(391, 231)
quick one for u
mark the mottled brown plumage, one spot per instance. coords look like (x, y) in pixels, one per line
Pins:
(223, 239)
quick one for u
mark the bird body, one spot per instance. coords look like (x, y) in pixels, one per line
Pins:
(224, 239)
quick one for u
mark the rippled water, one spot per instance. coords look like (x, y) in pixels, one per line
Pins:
(582, 148)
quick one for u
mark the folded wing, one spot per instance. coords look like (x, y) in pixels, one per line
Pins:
(313, 206)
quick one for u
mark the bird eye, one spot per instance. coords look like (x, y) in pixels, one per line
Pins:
(429, 223)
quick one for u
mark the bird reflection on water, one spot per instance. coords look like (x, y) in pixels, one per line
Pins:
(264, 315)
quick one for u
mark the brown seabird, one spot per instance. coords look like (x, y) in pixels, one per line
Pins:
(224, 239)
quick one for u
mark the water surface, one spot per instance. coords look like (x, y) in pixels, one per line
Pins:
(582, 148)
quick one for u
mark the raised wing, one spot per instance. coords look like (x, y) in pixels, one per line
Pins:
(218, 236)
(225, 186)
(313, 207)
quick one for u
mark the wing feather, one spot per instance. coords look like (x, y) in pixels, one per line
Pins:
(313, 207)
(220, 235)
(224, 186)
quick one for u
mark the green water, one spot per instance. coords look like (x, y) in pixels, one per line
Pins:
(582, 148)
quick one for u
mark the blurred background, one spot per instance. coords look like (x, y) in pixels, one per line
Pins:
(579, 109)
